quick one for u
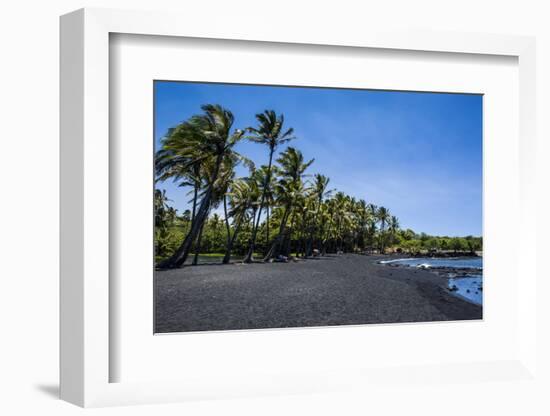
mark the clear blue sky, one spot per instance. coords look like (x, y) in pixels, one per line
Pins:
(418, 154)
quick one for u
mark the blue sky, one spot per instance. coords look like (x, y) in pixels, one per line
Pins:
(418, 154)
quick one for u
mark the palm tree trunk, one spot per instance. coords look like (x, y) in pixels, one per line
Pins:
(274, 249)
(325, 240)
(292, 228)
(196, 188)
(227, 257)
(195, 194)
(311, 239)
(227, 228)
(181, 254)
(288, 234)
(198, 247)
(249, 257)
(267, 227)
(309, 248)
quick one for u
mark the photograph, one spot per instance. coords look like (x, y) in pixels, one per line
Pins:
(293, 206)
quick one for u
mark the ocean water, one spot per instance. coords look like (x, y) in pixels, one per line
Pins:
(458, 262)
(469, 287)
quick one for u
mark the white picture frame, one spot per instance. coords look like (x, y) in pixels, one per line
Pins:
(85, 212)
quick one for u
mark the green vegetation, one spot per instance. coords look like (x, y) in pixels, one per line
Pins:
(412, 243)
(278, 209)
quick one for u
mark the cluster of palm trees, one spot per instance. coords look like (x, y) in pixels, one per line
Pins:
(297, 211)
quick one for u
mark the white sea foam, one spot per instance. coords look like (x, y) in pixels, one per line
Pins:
(392, 261)
(474, 263)
(469, 287)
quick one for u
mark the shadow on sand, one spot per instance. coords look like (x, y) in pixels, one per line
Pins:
(239, 262)
(298, 260)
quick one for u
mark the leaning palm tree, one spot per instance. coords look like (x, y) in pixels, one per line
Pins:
(288, 189)
(213, 140)
(269, 132)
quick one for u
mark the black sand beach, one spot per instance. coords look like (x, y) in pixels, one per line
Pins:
(333, 290)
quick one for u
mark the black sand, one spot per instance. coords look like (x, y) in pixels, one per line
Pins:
(333, 290)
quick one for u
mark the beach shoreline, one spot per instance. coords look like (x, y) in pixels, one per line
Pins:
(463, 281)
(348, 289)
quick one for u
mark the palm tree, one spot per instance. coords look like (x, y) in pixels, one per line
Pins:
(319, 192)
(212, 140)
(225, 176)
(372, 220)
(179, 159)
(363, 222)
(226, 181)
(220, 186)
(301, 224)
(341, 205)
(383, 216)
(287, 190)
(393, 227)
(269, 132)
(242, 195)
(266, 183)
(326, 219)
(354, 222)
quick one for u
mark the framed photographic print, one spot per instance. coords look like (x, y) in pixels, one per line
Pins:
(282, 213)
